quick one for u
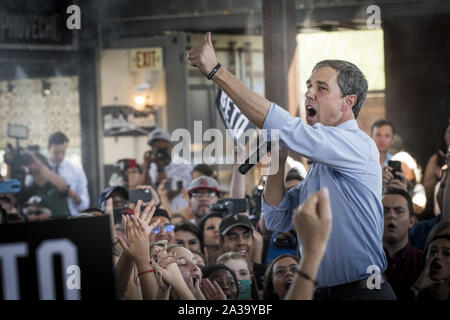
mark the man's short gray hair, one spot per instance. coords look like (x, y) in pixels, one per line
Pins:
(350, 80)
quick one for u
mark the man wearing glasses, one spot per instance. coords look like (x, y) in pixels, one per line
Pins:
(203, 192)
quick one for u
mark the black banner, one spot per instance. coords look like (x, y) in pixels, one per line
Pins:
(232, 117)
(55, 260)
(35, 23)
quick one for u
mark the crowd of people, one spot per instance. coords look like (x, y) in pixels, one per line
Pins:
(312, 236)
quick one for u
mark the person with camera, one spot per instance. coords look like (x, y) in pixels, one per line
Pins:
(49, 186)
(74, 176)
(160, 164)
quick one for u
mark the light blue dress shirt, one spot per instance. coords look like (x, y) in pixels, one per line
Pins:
(388, 157)
(346, 161)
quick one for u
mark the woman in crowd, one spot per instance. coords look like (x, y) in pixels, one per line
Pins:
(241, 267)
(188, 235)
(279, 277)
(225, 278)
(413, 175)
(190, 272)
(434, 282)
(209, 226)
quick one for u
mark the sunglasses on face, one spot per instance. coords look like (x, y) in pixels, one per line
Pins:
(166, 227)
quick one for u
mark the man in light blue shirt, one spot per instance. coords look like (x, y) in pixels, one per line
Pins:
(346, 161)
(77, 193)
(382, 132)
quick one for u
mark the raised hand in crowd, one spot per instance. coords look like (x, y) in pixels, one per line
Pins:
(164, 195)
(444, 182)
(109, 211)
(425, 281)
(164, 286)
(312, 221)
(168, 271)
(155, 196)
(194, 286)
(389, 180)
(137, 248)
(146, 215)
(125, 265)
(259, 243)
(212, 291)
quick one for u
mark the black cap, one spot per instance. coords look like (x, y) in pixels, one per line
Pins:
(107, 193)
(234, 220)
(36, 201)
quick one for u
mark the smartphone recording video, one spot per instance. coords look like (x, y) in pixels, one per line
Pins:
(140, 194)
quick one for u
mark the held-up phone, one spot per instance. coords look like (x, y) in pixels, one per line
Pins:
(140, 194)
(119, 211)
(245, 292)
(172, 185)
(396, 167)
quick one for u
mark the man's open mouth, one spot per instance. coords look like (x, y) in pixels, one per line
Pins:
(310, 112)
(391, 226)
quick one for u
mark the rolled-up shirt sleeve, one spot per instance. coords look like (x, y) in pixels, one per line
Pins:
(279, 218)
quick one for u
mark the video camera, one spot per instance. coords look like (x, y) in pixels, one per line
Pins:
(161, 155)
(17, 157)
(228, 205)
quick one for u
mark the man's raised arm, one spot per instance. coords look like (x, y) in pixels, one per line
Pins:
(252, 105)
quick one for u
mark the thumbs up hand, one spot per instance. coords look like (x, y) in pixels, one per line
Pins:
(203, 56)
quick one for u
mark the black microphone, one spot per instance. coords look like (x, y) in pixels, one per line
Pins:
(262, 149)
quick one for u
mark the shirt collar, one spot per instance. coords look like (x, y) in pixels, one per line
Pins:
(53, 165)
(349, 124)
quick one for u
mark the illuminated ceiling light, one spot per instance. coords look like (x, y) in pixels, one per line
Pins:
(140, 100)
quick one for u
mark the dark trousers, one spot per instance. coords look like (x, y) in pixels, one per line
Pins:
(384, 293)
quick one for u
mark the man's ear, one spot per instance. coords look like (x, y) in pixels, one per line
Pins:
(411, 222)
(349, 102)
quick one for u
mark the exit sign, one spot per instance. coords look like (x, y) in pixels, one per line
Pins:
(148, 58)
